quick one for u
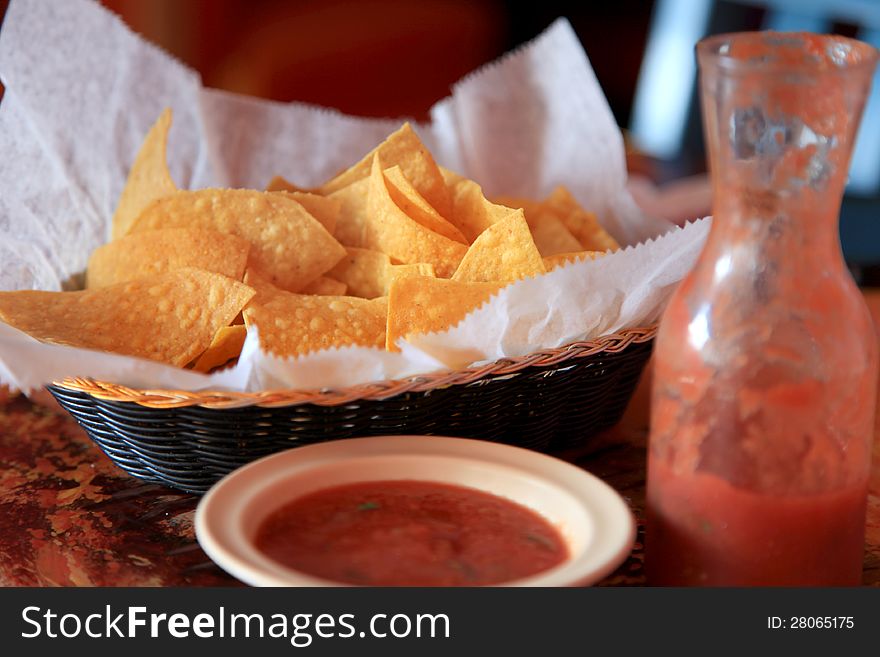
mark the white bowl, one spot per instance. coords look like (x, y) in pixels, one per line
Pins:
(592, 518)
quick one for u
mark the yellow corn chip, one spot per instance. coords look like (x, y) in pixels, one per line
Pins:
(561, 207)
(369, 274)
(550, 234)
(527, 205)
(364, 272)
(504, 252)
(582, 224)
(287, 243)
(324, 209)
(295, 324)
(449, 177)
(420, 304)
(472, 213)
(352, 216)
(380, 305)
(399, 271)
(281, 184)
(225, 346)
(157, 251)
(326, 286)
(148, 179)
(171, 317)
(391, 231)
(417, 208)
(261, 285)
(403, 148)
(554, 261)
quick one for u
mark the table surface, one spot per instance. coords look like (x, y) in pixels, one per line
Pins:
(69, 517)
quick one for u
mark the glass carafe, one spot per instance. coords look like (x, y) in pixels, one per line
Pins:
(766, 359)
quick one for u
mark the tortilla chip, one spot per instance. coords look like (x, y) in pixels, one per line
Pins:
(550, 234)
(391, 231)
(369, 274)
(399, 271)
(527, 205)
(420, 304)
(352, 216)
(417, 208)
(364, 272)
(158, 251)
(504, 252)
(449, 177)
(262, 287)
(403, 148)
(171, 318)
(324, 209)
(281, 184)
(583, 229)
(295, 324)
(225, 346)
(559, 259)
(287, 243)
(325, 285)
(582, 224)
(472, 213)
(148, 178)
(380, 304)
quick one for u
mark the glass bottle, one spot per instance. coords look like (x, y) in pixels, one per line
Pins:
(766, 359)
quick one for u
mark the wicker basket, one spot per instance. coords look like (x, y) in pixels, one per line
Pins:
(549, 400)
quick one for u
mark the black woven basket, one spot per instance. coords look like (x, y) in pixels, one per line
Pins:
(547, 401)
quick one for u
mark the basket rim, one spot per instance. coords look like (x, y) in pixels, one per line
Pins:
(372, 391)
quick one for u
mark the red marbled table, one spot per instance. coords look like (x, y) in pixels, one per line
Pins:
(68, 516)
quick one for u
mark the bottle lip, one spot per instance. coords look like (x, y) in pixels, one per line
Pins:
(768, 52)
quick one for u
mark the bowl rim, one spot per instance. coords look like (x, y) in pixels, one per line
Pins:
(219, 514)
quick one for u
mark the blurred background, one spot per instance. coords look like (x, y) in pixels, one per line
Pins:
(397, 57)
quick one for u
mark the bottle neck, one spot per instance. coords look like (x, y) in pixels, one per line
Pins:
(793, 229)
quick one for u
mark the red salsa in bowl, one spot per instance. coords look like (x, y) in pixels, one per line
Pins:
(414, 511)
(410, 533)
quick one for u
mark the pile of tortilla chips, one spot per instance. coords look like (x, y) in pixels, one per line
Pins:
(391, 247)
